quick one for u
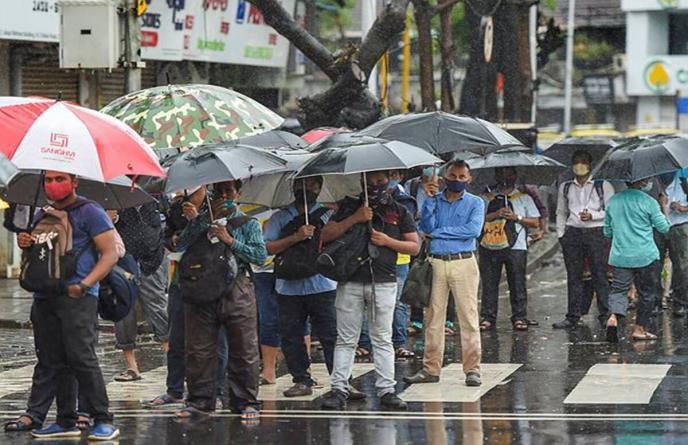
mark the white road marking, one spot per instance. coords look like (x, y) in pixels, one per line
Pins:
(16, 380)
(318, 372)
(451, 387)
(607, 383)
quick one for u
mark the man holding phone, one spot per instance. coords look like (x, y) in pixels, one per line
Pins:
(580, 217)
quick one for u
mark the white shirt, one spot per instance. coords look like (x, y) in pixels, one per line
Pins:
(581, 197)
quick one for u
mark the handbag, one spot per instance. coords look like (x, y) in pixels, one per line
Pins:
(418, 285)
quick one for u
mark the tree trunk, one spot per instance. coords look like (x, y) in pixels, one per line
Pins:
(423, 14)
(447, 53)
(515, 62)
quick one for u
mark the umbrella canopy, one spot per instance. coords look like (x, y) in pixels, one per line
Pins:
(44, 134)
(341, 140)
(275, 190)
(530, 168)
(26, 187)
(563, 151)
(218, 163)
(191, 115)
(316, 134)
(644, 158)
(369, 157)
(274, 139)
(443, 133)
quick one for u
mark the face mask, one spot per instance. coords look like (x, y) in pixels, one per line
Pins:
(57, 191)
(581, 169)
(377, 194)
(311, 197)
(229, 203)
(647, 188)
(393, 183)
(456, 186)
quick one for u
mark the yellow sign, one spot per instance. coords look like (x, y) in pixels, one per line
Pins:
(141, 7)
(656, 76)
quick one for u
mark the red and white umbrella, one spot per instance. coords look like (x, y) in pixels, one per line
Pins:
(45, 134)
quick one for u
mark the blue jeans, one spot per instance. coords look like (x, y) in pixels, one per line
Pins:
(268, 309)
(401, 315)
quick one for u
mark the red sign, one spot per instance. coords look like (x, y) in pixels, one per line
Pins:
(149, 39)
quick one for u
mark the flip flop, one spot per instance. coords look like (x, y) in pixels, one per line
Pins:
(250, 416)
(486, 325)
(191, 413)
(161, 400)
(128, 376)
(645, 336)
(520, 325)
(362, 352)
(404, 353)
(266, 382)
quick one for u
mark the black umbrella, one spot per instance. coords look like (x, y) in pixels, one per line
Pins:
(530, 168)
(644, 158)
(443, 133)
(26, 187)
(342, 140)
(563, 151)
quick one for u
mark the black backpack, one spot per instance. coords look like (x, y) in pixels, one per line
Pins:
(141, 230)
(298, 261)
(51, 260)
(118, 291)
(341, 258)
(207, 270)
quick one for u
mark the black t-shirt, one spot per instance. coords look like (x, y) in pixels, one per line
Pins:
(392, 219)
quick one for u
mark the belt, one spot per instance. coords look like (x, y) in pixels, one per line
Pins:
(452, 256)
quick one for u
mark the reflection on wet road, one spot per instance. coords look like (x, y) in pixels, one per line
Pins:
(542, 386)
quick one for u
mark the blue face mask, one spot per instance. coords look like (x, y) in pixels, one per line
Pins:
(455, 186)
(229, 203)
(393, 183)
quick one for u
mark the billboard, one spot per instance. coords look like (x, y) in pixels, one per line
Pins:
(162, 30)
(35, 21)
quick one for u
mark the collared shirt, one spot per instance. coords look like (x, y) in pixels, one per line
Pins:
(630, 219)
(675, 193)
(453, 226)
(316, 284)
(581, 197)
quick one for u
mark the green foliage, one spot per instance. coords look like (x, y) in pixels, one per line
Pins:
(550, 5)
(592, 53)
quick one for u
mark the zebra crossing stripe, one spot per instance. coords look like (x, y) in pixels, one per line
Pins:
(16, 380)
(451, 387)
(607, 383)
(318, 372)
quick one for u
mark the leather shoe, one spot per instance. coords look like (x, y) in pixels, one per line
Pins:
(334, 400)
(564, 324)
(355, 394)
(473, 379)
(392, 401)
(422, 377)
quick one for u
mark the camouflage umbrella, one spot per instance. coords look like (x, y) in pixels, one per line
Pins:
(191, 115)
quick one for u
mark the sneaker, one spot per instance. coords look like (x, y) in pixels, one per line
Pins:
(103, 431)
(392, 401)
(298, 390)
(55, 431)
(422, 377)
(564, 324)
(473, 379)
(334, 400)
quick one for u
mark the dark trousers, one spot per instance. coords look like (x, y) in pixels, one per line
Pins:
(236, 311)
(578, 244)
(66, 328)
(678, 252)
(645, 280)
(491, 264)
(175, 355)
(294, 311)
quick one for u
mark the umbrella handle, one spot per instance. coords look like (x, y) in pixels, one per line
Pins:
(365, 188)
(32, 209)
(305, 203)
(210, 207)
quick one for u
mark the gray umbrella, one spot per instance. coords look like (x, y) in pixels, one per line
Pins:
(644, 158)
(563, 151)
(341, 140)
(25, 187)
(531, 168)
(443, 133)
(217, 163)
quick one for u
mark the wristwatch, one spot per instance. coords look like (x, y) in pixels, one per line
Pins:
(84, 288)
(520, 218)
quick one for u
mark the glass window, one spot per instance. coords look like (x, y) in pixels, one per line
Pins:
(678, 34)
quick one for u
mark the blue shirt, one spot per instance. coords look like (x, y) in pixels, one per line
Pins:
(88, 221)
(675, 193)
(316, 284)
(453, 227)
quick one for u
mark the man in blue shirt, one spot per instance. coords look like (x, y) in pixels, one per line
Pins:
(301, 291)
(65, 324)
(452, 221)
(678, 241)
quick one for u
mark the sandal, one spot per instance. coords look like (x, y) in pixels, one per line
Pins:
(415, 328)
(520, 325)
(645, 336)
(362, 352)
(191, 413)
(162, 400)
(250, 416)
(128, 376)
(83, 421)
(449, 328)
(265, 382)
(486, 325)
(17, 426)
(404, 353)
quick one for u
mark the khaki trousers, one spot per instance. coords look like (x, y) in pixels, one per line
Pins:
(462, 277)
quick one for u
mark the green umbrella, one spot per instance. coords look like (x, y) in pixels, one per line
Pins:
(192, 115)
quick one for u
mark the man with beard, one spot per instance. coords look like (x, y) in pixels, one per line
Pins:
(372, 286)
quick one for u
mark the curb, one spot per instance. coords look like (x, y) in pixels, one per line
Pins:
(537, 262)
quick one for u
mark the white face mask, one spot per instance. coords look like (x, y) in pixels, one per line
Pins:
(647, 187)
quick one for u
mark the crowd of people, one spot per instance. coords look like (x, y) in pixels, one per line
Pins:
(224, 294)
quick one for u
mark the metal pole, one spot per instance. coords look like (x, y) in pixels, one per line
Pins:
(568, 92)
(532, 39)
(368, 16)
(132, 29)
(406, 68)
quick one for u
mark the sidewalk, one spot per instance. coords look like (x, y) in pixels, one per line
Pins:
(15, 302)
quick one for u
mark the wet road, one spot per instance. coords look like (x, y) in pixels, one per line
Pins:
(540, 387)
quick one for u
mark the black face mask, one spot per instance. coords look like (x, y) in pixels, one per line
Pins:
(311, 197)
(378, 194)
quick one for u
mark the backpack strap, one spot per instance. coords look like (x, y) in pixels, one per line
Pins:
(599, 188)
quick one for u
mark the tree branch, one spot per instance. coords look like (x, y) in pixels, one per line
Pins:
(440, 8)
(389, 24)
(282, 21)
